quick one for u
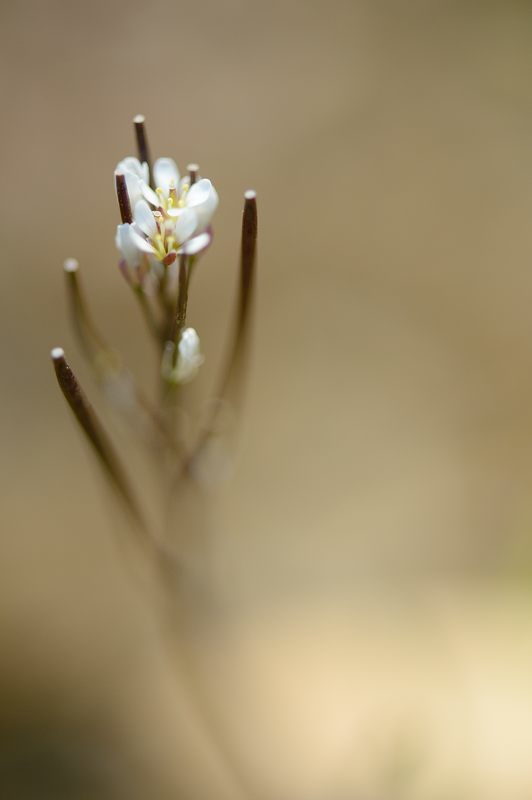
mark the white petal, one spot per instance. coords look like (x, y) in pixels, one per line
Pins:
(196, 244)
(199, 192)
(135, 172)
(186, 224)
(144, 218)
(141, 243)
(145, 172)
(126, 245)
(132, 165)
(174, 213)
(203, 198)
(150, 195)
(165, 174)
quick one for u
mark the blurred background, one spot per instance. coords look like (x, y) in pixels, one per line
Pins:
(368, 628)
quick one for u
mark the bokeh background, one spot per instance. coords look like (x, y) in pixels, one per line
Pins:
(369, 626)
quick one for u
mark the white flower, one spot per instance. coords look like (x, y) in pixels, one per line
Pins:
(171, 220)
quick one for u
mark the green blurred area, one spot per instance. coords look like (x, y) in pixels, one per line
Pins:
(365, 625)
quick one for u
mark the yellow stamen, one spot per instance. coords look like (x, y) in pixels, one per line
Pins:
(162, 200)
(158, 243)
(184, 192)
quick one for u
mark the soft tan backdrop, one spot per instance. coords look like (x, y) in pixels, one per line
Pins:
(371, 555)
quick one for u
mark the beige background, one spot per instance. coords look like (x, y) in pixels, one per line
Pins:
(370, 558)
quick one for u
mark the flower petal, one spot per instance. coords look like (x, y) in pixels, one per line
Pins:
(186, 224)
(196, 244)
(132, 165)
(126, 245)
(141, 243)
(145, 172)
(144, 218)
(150, 195)
(166, 174)
(203, 198)
(135, 172)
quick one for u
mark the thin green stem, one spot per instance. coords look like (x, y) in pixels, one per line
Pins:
(180, 315)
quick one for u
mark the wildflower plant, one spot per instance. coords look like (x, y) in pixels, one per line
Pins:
(163, 233)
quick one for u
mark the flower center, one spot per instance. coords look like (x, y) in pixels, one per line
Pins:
(165, 240)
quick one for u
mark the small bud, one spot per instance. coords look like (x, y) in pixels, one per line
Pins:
(189, 358)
